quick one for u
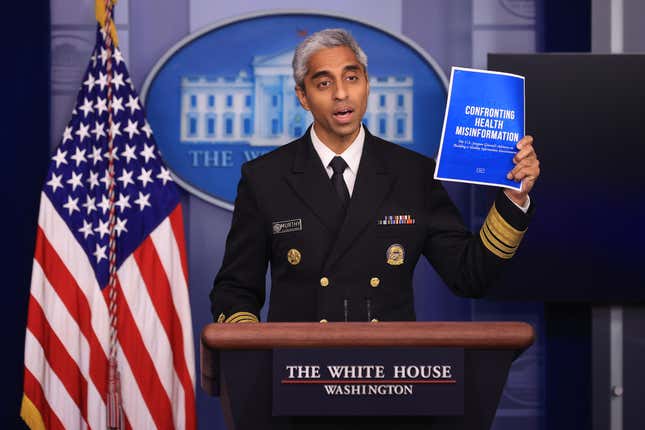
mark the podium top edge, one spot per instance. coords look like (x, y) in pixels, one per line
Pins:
(471, 335)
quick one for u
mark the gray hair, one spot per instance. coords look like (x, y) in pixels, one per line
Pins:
(328, 38)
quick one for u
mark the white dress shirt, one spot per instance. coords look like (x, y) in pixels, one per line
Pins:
(352, 156)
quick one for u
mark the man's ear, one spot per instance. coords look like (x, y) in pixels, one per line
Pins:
(302, 97)
(367, 78)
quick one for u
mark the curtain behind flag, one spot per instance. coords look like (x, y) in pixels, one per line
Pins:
(67, 341)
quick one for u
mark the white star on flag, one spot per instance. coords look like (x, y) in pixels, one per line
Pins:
(128, 153)
(164, 175)
(123, 202)
(125, 178)
(131, 129)
(98, 130)
(54, 182)
(104, 53)
(83, 131)
(67, 134)
(75, 180)
(86, 229)
(144, 177)
(99, 253)
(103, 228)
(96, 155)
(117, 56)
(117, 105)
(148, 152)
(79, 156)
(93, 180)
(105, 204)
(115, 155)
(71, 205)
(142, 201)
(120, 226)
(147, 130)
(59, 158)
(133, 104)
(102, 80)
(90, 82)
(101, 105)
(115, 129)
(86, 108)
(106, 179)
(117, 81)
(89, 204)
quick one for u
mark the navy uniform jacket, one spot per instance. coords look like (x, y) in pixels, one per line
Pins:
(325, 266)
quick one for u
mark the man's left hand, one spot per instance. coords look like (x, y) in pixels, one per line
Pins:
(527, 170)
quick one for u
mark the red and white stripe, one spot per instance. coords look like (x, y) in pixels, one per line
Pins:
(66, 346)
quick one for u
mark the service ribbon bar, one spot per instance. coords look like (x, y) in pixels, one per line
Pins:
(396, 219)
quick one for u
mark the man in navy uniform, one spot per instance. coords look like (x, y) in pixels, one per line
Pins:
(343, 216)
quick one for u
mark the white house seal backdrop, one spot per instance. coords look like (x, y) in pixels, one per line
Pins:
(225, 95)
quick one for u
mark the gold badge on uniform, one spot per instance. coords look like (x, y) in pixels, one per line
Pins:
(395, 254)
(293, 256)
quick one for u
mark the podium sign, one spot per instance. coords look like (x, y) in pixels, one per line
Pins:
(368, 381)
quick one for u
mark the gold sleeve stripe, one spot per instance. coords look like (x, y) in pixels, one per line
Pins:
(492, 248)
(242, 320)
(221, 318)
(498, 236)
(242, 317)
(502, 229)
(237, 317)
(495, 241)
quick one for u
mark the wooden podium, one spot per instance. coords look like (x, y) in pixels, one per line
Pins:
(236, 365)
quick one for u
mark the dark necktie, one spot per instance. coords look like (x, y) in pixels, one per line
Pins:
(338, 165)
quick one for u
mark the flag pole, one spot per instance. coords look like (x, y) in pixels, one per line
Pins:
(114, 394)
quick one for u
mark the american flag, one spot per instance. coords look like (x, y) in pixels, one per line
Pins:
(67, 341)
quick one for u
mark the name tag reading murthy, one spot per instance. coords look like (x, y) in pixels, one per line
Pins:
(287, 226)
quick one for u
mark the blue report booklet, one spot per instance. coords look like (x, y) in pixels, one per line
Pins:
(483, 122)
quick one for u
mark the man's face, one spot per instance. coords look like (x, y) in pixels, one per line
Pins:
(336, 89)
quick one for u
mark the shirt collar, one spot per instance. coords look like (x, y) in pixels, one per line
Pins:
(351, 155)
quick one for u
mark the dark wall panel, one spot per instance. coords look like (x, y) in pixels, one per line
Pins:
(25, 135)
(564, 26)
(586, 114)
